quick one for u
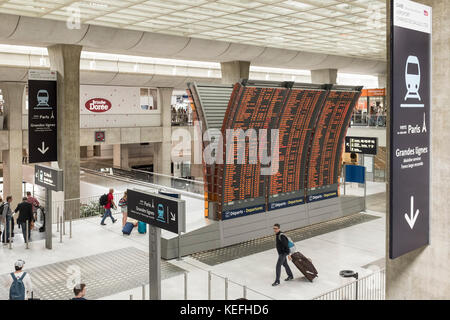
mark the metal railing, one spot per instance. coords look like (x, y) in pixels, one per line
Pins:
(370, 287)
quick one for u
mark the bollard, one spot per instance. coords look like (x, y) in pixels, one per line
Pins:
(131, 297)
(209, 285)
(226, 288)
(143, 291)
(57, 220)
(10, 233)
(26, 233)
(245, 292)
(60, 229)
(70, 224)
(185, 286)
(64, 221)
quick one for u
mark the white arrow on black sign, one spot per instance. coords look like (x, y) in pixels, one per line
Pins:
(44, 149)
(172, 217)
(413, 218)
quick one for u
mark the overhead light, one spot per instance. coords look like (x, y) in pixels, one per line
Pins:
(92, 65)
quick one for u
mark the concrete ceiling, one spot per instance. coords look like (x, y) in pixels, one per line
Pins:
(294, 32)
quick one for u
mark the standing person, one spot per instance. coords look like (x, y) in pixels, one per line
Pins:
(123, 204)
(110, 204)
(19, 283)
(34, 202)
(7, 219)
(25, 218)
(80, 292)
(282, 244)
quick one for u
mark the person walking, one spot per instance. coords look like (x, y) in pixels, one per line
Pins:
(110, 204)
(7, 219)
(282, 244)
(19, 283)
(80, 292)
(34, 202)
(25, 218)
(123, 204)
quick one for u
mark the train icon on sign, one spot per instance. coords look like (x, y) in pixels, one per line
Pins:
(412, 78)
(42, 99)
(161, 213)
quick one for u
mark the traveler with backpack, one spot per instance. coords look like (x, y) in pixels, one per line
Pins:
(123, 203)
(109, 204)
(34, 202)
(7, 219)
(20, 285)
(284, 250)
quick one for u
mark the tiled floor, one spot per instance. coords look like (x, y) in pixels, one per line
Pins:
(354, 248)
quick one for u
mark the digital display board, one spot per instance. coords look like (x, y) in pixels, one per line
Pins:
(326, 146)
(362, 145)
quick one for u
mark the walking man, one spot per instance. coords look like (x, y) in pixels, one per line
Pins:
(19, 283)
(282, 244)
(25, 218)
(34, 202)
(110, 204)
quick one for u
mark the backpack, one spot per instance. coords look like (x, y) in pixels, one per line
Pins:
(17, 290)
(291, 244)
(2, 206)
(103, 200)
(122, 203)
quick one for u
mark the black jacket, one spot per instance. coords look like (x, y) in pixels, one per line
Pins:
(282, 243)
(25, 212)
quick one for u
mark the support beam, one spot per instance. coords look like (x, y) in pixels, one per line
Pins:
(121, 156)
(65, 59)
(327, 76)
(382, 81)
(423, 274)
(234, 71)
(162, 151)
(13, 95)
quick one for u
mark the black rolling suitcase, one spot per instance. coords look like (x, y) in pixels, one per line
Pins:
(305, 266)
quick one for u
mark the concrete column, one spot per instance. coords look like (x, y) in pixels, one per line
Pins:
(90, 151)
(234, 71)
(424, 273)
(13, 95)
(382, 81)
(162, 151)
(65, 59)
(327, 76)
(121, 156)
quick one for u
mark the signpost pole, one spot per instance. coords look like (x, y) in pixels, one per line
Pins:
(179, 246)
(48, 220)
(365, 189)
(154, 238)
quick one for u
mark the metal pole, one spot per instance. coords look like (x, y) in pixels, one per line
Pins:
(131, 297)
(226, 288)
(245, 292)
(209, 285)
(48, 220)
(179, 246)
(365, 188)
(10, 232)
(185, 286)
(143, 291)
(26, 232)
(57, 219)
(70, 223)
(356, 276)
(64, 219)
(60, 229)
(154, 238)
(345, 177)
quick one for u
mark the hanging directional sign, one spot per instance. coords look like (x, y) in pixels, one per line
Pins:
(411, 31)
(159, 210)
(48, 177)
(42, 116)
(363, 145)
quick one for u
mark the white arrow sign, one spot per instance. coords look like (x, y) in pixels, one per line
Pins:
(412, 219)
(44, 149)
(172, 217)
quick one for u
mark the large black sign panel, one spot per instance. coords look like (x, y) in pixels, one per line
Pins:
(50, 178)
(42, 118)
(161, 211)
(362, 145)
(410, 127)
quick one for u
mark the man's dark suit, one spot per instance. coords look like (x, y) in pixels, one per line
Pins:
(25, 210)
